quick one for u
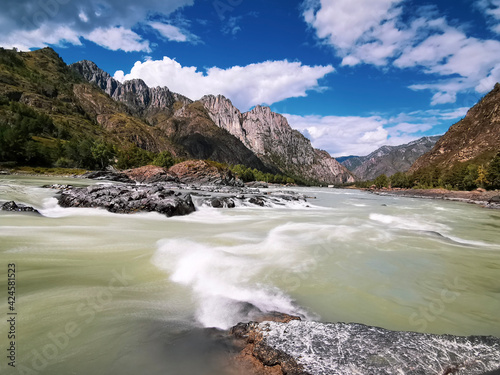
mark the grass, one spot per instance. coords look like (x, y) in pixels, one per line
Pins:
(49, 171)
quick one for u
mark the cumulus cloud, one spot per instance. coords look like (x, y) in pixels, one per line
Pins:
(263, 83)
(356, 135)
(36, 23)
(384, 33)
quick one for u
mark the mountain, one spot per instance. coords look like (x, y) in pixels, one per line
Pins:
(52, 114)
(191, 132)
(389, 159)
(271, 138)
(475, 138)
(266, 134)
(344, 158)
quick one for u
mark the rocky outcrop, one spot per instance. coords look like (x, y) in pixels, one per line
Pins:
(476, 137)
(312, 348)
(389, 159)
(129, 199)
(201, 172)
(134, 93)
(151, 174)
(271, 138)
(14, 207)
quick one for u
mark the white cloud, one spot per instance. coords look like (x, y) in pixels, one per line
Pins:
(26, 39)
(118, 38)
(492, 9)
(24, 23)
(383, 33)
(356, 135)
(263, 83)
(173, 33)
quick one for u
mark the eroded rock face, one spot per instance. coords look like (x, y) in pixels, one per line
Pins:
(271, 138)
(351, 349)
(129, 199)
(135, 93)
(151, 174)
(204, 173)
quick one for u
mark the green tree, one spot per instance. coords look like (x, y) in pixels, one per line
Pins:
(470, 178)
(102, 154)
(381, 181)
(400, 180)
(164, 159)
(494, 172)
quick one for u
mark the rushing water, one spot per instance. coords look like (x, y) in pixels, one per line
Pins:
(101, 293)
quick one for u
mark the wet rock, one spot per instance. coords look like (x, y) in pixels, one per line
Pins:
(258, 201)
(222, 202)
(304, 347)
(494, 200)
(129, 199)
(14, 207)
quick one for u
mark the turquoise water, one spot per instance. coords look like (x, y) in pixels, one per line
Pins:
(100, 293)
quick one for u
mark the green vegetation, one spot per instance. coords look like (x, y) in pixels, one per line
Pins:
(248, 175)
(462, 176)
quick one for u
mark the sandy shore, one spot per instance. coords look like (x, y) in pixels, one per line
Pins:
(488, 199)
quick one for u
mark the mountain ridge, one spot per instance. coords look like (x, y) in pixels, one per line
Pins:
(265, 133)
(475, 138)
(389, 160)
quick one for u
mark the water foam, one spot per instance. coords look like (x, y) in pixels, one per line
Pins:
(230, 283)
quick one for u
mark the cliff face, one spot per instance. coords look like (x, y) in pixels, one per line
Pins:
(271, 138)
(476, 137)
(134, 93)
(389, 159)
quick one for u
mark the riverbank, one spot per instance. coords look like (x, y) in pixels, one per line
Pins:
(487, 199)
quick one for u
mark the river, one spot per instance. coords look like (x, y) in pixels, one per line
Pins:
(101, 293)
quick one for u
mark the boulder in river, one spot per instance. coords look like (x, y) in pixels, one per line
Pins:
(14, 207)
(313, 348)
(129, 199)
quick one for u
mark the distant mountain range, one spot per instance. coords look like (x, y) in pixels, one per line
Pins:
(388, 159)
(86, 102)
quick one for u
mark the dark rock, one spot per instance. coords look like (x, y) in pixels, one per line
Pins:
(129, 199)
(259, 201)
(495, 200)
(222, 202)
(14, 207)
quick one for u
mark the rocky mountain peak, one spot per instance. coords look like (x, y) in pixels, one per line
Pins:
(271, 138)
(134, 93)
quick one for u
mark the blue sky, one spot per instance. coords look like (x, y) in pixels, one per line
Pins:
(351, 75)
